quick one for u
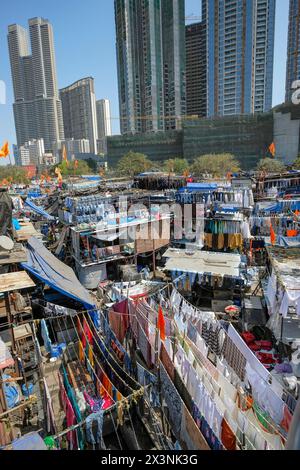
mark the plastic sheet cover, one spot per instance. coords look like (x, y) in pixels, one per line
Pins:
(56, 274)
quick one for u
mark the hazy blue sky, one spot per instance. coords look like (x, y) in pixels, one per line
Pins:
(84, 35)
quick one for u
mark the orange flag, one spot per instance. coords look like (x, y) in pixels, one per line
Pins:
(65, 156)
(161, 324)
(58, 173)
(4, 152)
(272, 149)
(272, 235)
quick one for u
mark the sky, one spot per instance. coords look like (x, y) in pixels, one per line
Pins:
(84, 36)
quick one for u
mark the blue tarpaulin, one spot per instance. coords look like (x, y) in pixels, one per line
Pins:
(31, 441)
(39, 210)
(56, 274)
(280, 206)
(288, 241)
(200, 187)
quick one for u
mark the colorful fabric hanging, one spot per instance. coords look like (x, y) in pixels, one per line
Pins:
(91, 356)
(272, 235)
(80, 352)
(161, 325)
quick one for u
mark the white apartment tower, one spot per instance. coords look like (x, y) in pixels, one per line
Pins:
(103, 118)
(79, 112)
(37, 108)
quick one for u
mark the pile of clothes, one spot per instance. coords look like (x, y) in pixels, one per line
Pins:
(263, 349)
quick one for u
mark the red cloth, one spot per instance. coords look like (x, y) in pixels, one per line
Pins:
(87, 333)
(254, 347)
(287, 419)
(227, 436)
(161, 324)
(267, 345)
(248, 337)
(120, 321)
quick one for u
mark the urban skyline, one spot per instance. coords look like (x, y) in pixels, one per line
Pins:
(58, 45)
(37, 107)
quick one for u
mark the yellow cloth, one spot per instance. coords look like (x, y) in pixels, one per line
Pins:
(91, 356)
(81, 352)
(220, 241)
(208, 240)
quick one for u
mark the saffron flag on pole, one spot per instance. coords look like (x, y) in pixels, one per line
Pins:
(65, 156)
(272, 149)
(4, 151)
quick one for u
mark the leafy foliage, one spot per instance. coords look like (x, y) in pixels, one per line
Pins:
(218, 165)
(133, 164)
(270, 165)
(69, 168)
(177, 165)
(14, 174)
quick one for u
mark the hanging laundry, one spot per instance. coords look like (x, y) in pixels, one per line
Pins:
(161, 324)
(91, 437)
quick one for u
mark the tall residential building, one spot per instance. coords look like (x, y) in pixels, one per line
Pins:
(103, 118)
(79, 111)
(37, 108)
(240, 55)
(293, 58)
(195, 39)
(151, 64)
(104, 125)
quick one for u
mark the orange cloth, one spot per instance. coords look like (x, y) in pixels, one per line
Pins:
(4, 151)
(245, 403)
(119, 396)
(227, 437)
(272, 149)
(272, 235)
(291, 233)
(161, 324)
(107, 385)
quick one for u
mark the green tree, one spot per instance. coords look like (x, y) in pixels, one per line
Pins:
(133, 163)
(14, 174)
(296, 164)
(71, 168)
(270, 165)
(218, 165)
(176, 165)
(92, 165)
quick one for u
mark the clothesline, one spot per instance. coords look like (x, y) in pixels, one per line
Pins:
(257, 412)
(277, 431)
(134, 396)
(267, 383)
(88, 361)
(111, 357)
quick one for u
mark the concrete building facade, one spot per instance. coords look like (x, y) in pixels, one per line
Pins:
(293, 51)
(151, 64)
(240, 55)
(37, 108)
(195, 39)
(79, 112)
